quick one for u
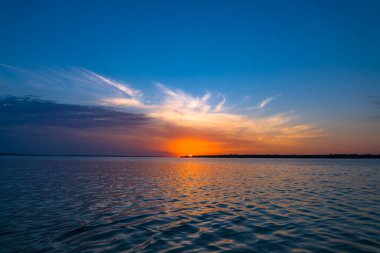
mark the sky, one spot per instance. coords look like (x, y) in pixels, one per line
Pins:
(189, 77)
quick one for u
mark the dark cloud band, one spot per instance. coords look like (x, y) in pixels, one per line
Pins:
(32, 111)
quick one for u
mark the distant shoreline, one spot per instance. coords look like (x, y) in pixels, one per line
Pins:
(330, 156)
(12, 154)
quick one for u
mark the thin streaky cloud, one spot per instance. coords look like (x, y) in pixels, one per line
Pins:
(128, 102)
(23, 71)
(123, 88)
(178, 99)
(219, 107)
(206, 114)
(11, 67)
(267, 101)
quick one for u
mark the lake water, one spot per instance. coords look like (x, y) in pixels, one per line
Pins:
(189, 205)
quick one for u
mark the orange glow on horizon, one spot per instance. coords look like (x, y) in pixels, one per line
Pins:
(191, 146)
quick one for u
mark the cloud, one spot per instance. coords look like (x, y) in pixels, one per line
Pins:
(182, 101)
(32, 111)
(129, 102)
(219, 107)
(82, 99)
(35, 126)
(213, 121)
(71, 85)
(124, 89)
(266, 101)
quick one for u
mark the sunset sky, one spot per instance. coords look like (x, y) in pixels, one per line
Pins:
(189, 77)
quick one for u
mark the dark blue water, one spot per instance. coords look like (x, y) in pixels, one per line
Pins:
(189, 205)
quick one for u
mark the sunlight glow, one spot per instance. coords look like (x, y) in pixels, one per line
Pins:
(191, 146)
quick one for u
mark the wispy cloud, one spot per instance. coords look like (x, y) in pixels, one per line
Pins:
(73, 85)
(179, 100)
(267, 101)
(219, 107)
(128, 102)
(205, 116)
(121, 87)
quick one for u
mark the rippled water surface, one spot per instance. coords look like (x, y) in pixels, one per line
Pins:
(189, 205)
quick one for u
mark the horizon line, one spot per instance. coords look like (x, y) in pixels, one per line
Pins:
(352, 155)
(79, 155)
(337, 155)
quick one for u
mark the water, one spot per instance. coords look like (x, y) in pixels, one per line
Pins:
(189, 205)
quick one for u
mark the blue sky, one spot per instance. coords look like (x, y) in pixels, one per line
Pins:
(316, 60)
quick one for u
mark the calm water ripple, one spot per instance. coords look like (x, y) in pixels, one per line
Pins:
(189, 205)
